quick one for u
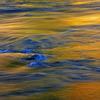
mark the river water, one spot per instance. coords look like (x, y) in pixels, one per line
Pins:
(47, 44)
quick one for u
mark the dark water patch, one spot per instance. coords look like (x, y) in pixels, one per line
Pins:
(19, 10)
(47, 64)
(43, 3)
(30, 91)
(7, 51)
(78, 68)
(96, 69)
(68, 64)
(59, 63)
(84, 62)
(78, 77)
(29, 45)
(21, 77)
(23, 92)
(38, 65)
(4, 74)
(32, 2)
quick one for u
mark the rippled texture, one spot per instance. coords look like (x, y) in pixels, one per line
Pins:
(46, 45)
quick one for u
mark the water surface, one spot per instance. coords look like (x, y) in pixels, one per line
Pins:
(46, 45)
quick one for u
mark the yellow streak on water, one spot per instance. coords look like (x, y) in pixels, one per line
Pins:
(82, 20)
(79, 2)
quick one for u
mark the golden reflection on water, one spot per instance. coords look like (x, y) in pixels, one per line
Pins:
(74, 24)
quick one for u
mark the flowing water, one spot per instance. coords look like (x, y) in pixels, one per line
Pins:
(46, 45)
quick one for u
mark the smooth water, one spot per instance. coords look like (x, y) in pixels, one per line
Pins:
(46, 45)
